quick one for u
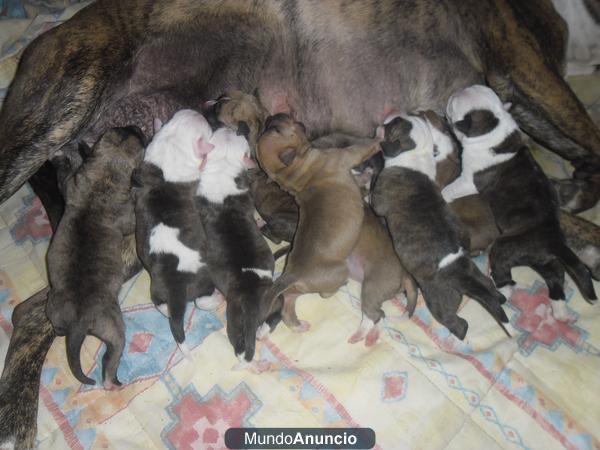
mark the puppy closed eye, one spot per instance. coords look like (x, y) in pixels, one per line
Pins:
(287, 156)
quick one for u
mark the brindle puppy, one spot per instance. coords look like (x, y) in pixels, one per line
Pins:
(31, 339)
(296, 54)
(583, 237)
(20, 382)
(85, 265)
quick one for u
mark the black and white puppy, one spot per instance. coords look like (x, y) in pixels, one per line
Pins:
(497, 165)
(239, 258)
(430, 241)
(170, 238)
(85, 264)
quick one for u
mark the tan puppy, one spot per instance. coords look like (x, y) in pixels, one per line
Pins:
(336, 230)
(239, 111)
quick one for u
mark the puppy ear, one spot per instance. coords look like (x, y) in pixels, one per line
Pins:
(287, 156)
(243, 129)
(202, 147)
(390, 149)
(477, 123)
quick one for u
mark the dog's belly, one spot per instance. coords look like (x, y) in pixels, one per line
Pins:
(343, 83)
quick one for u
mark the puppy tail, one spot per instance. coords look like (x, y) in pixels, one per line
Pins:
(412, 292)
(481, 289)
(75, 340)
(176, 316)
(250, 327)
(578, 271)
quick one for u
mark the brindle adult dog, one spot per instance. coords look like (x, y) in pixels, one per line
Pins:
(314, 59)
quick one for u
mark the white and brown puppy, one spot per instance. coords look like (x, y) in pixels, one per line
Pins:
(497, 165)
(85, 265)
(170, 238)
(429, 239)
(239, 258)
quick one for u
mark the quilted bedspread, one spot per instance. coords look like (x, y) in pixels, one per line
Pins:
(419, 387)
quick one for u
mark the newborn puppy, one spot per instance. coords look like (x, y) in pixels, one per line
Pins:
(499, 167)
(333, 232)
(583, 237)
(428, 237)
(170, 239)
(239, 258)
(85, 265)
(279, 209)
(276, 207)
(473, 212)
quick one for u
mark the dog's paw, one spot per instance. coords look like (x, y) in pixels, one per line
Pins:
(263, 332)
(254, 366)
(260, 222)
(365, 327)
(112, 385)
(561, 312)
(372, 336)
(507, 291)
(163, 308)
(185, 350)
(301, 327)
(210, 302)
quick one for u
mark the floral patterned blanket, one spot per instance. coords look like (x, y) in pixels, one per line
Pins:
(419, 387)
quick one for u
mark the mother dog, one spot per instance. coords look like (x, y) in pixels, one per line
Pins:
(335, 65)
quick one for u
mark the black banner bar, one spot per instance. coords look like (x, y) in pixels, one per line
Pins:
(300, 438)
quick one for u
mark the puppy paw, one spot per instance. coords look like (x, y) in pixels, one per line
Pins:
(561, 312)
(363, 330)
(372, 336)
(263, 332)
(210, 302)
(163, 308)
(260, 222)
(507, 291)
(254, 366)
(301, 327)
(185, 350)
(112, 385)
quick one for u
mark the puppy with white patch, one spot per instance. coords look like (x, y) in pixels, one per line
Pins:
(429, 239)
(85, 263)
(239, 258)
(497, 165)
(170, 238)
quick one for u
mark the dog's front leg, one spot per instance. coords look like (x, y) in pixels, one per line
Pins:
(461, 187)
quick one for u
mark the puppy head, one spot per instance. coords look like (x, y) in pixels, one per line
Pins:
(283, 144)
(181, 146)
(239, 111)
(107, 167)
(406, 133)
(477, 114)
(230, 155)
